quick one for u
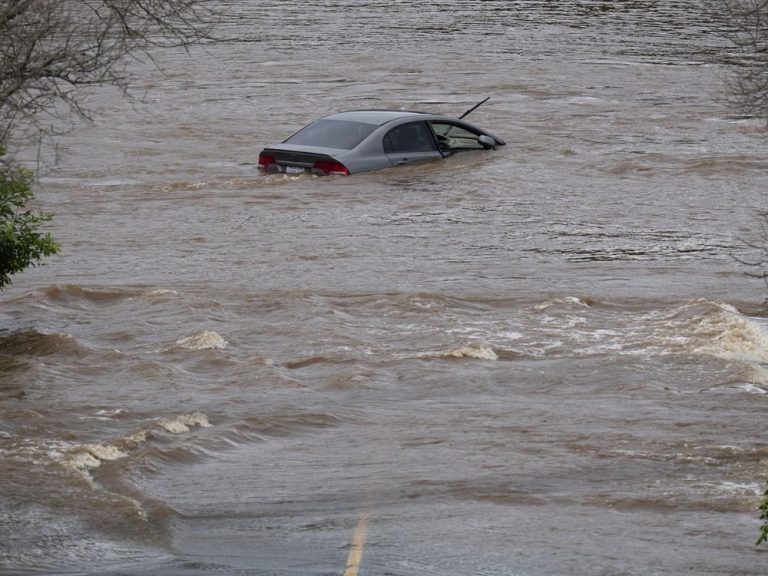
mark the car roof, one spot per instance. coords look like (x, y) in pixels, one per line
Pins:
(376, 117)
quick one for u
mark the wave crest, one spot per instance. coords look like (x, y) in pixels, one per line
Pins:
(34, 343)
(725, 333)
(183, 423)
(72, 293)
(477, 351)
(86, 457)
(205, 340)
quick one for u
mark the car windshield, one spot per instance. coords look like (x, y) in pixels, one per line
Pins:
(332, 134)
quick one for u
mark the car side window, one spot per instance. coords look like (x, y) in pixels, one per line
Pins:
(413, 137)
(455, 137)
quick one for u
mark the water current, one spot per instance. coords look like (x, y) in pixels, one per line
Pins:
(538, 360)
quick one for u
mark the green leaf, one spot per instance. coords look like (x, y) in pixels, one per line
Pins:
(22, 244)
(763, 507)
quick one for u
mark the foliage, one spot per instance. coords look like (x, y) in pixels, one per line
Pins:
(21, 243)
(764, 517)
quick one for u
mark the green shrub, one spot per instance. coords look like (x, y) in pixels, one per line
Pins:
(21, 243)
(764, 517)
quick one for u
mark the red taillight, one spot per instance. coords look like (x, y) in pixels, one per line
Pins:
(265, 160)
(330, 167)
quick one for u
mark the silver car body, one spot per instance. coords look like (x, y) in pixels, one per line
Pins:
(389, 138)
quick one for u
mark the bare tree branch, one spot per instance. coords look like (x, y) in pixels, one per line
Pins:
(757, 247)
(50, 48)
(745, 24)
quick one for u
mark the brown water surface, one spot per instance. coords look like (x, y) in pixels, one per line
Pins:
(538, 360)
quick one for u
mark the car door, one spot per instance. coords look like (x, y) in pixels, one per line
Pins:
(453, 137)
(411, 142)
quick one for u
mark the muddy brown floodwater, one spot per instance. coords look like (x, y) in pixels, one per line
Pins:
(538, 360)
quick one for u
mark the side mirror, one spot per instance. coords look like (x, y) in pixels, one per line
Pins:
(486, 141)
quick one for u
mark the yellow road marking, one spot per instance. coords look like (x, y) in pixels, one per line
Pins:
(358, 541)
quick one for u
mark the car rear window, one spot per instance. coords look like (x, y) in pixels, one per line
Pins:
(341, 134)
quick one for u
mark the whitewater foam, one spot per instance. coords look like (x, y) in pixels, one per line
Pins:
(205, 340)
(183, 423)
(752, 488)
(564, 301)
(726, 334)
(748, 388)
(86, 457)
(476, 351)
(160, 292)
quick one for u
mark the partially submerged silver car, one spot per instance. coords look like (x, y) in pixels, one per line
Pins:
(364, 140)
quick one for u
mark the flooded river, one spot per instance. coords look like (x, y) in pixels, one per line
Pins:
(538, 360)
